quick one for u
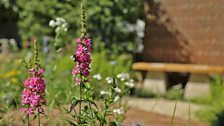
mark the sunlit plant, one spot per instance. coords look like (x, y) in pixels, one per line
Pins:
(33, 97)
(61, 27)
(89, 112)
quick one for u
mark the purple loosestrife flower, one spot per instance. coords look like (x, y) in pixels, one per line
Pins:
(83, 59)
(34, 92)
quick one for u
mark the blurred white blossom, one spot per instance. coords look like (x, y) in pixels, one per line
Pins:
(139, 28)
(118, 90)
(123, 76)
(72, 58)
(52, 23)
(116, 98)
(119, 111)
(104, 92)
(130, 83)
(28, 56)
(59, 23)
(109, 80)
(177, 87)
(113, 62)
(97, 76)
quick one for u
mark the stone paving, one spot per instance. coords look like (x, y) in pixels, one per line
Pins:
(165, 107)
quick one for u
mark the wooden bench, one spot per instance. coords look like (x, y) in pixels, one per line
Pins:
(155, 76)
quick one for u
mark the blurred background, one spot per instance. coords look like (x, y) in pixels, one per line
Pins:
(187, 34)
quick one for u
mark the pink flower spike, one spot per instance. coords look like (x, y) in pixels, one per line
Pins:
(32, 70)
(74, 71)
(26, 83)
(40, 71)
(78, 81)
(87, 42)
(78, 40)
(34, 92)
(82, 59)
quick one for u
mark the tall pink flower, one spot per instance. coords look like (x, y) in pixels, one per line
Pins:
(34, 92)
(82, 58)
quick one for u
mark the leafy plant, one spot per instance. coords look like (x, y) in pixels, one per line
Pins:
(112, 22)
(88, 110)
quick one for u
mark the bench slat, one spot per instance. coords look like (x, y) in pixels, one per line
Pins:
(181, 68)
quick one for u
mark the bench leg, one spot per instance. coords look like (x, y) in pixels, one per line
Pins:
(197, 86)
(155, 82)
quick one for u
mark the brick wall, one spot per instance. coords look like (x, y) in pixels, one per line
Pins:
(184, 31)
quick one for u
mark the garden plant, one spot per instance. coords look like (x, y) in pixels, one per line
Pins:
(84, 81)
(92, 109)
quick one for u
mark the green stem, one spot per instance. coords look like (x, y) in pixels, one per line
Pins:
(36, 60)
(189, 114)
(83, 22)
(153, 107)
(91, 109)
(28, 120)
(171, 124)
(38, 119)
(80, 104)
(28, 117)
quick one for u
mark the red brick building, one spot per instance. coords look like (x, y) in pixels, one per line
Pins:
(184, 31)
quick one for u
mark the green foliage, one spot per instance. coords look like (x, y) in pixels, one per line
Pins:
(37, 14)
(9, 4)
(143, 93)
(215, 104)
(102, 63)
(108, 20)
(220, 119)
(109, 27)
(59, 82)
(90, 113)
(176, 92)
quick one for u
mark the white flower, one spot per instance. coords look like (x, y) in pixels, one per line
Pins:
(116, 98)
(97, 76)
(104, 92)
(60, 21)
(109, 80)
(28, 56)
(72, 58)
(60, 24)
(140, 26)
(52, 23)
(130, 83)
(64, 25)
(65, 29)
(119, 111)
(123, 76)
(57, 29)
(113, 62)
(177, 87)
(118, 90)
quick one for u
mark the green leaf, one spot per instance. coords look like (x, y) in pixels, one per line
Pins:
(35, 116)
(86, 107)
(87, 86)
(92, 102)
(98, 116)
(71, 122)
(113, 123)
(114, 83)
(74, 103)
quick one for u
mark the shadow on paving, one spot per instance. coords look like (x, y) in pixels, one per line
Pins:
(155, 119)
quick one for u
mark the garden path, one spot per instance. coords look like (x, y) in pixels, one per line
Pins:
(141, 110)
(166, 107)
(155, 119)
